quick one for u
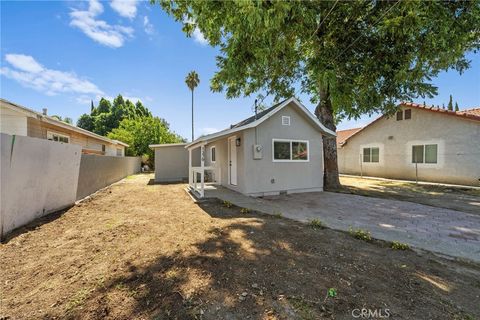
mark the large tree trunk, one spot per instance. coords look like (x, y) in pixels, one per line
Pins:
(324, 113)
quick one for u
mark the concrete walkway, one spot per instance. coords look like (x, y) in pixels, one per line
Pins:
(443, 231)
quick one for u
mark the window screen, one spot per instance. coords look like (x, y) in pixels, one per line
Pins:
(399, 115)
(299, 151)
(408, 114)
(417, 154)
(366, 154)
(375, 154)
(281, 150)
(431, 153)
(213, 156)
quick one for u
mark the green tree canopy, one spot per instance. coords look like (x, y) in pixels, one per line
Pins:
(350, 57)
(107, 116)
(140, 132)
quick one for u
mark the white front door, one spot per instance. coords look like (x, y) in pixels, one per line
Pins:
(232, 161)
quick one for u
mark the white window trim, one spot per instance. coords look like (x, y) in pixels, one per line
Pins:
(51, 133)
(440, 153)
(291, 153)
(287, 122)
(381, 154)
(424, 154)
(211, 150)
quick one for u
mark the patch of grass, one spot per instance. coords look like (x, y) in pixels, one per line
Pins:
(316, 224)
(277, 215)
(227, 204)
(245, 210)
(332, 292)
(130, 177)
(78, 299)
(361, 234)
(399, 246)
(303, 308)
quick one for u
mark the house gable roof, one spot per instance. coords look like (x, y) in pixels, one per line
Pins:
(254, 121)
(470, 114)
(37, 115)
(343, 135)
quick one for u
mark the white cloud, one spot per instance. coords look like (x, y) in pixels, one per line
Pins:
(148, 27)
(198, 37)
(28, 72)
(125, 8)
(100, 31)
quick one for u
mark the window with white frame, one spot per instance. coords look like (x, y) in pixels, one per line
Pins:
(54, 136)
(213, 156)
(424, 153)
(371, 155)
(285, 120)
(290, 150)
(119, 152)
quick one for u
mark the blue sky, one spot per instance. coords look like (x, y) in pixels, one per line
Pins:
(60, 55)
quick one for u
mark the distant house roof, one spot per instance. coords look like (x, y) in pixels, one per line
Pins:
(343, 135)
(254, 121)
(53, 121)
(470, 114)
(473, 114)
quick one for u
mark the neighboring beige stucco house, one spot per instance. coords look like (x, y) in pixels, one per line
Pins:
(19, 120)
(436, 144)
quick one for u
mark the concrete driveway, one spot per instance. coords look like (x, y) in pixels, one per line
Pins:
(443, 231)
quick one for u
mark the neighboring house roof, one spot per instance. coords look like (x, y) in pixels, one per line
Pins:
(254, 121)
(343, 135)
(470, 114)
(473, 114)
(37, 115)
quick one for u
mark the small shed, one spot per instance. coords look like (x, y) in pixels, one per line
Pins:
(171, 162)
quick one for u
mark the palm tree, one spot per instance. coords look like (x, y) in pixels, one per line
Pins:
(192, 82)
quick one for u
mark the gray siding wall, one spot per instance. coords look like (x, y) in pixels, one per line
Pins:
(97, 172)
(171, 163)
(458, 149)
(287, 176)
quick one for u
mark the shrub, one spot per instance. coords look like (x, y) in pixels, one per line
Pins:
(316, 224)
(361, 234)
(227, 204)
(245, 210)
(399, 246)
(277, 215)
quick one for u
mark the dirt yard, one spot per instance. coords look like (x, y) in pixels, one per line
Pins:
(143, 251)
(456, 198)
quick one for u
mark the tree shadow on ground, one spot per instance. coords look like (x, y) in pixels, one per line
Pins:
(262, 267)
(37, 223)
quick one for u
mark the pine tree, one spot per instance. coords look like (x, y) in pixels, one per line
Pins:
(450, 104)
(424, 104)
(456, 107)
(92, 107)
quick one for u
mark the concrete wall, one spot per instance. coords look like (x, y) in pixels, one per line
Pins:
(458, 160)
(171, 163)
(97, 172)
(255, 176)
(37, 177)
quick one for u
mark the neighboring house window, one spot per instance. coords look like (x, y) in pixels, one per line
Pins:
(371, 154)
(53, 136)
(119, 152)
(399, 115)
(408, 114)
(285, 120)
(425, 153)
(212, 154)
(103, 148)
(290, 150)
